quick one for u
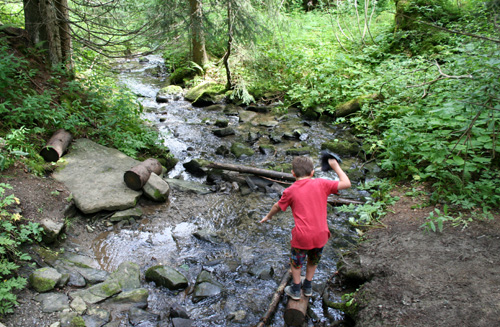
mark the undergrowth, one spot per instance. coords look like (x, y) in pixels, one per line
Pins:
(90, 106)
(14, 232)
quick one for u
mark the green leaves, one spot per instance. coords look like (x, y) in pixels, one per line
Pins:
(13, 233)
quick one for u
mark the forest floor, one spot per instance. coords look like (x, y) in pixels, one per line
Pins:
(417, 278)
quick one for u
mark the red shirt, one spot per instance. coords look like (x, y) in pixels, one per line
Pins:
(308, 200)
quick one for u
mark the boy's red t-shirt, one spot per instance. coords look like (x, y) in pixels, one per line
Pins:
(308, 200)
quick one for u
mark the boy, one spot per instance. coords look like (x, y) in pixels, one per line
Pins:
(308, 199)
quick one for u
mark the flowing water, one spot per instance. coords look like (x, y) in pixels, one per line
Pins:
(238, 246)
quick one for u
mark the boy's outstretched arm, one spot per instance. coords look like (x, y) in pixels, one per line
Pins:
(274, 210)
(344, 181)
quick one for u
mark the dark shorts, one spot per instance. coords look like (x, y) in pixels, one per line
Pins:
(298, 257)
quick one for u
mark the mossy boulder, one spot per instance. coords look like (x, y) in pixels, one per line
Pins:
(167, 277)
(239, 149)
(347, 146)
(44, 279)
(298, 151)
(353, 105)
(171, 92)
(205, 94)
(183, 74)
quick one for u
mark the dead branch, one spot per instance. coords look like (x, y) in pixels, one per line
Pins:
(276, 298)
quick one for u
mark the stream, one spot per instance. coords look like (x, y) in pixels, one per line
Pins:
(246, 257)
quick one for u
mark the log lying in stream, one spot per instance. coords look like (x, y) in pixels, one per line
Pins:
(137, 176)
(267, 174)
(56, 146)
(252, 170)
(276, 299)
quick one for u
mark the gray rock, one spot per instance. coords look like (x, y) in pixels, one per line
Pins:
(221, 123)
(134, 298)
(171, 92)
(138, 317)
(96, 317)
(265, 272)
(156, 188)
(78, 305)
(246, 116)
(128, 276)
(188, 186)
(167, 277)
(53, 302)
(134, 213)
(51, 230)
(91, 275)
(204, 290)
(239, 315)
(207, 236)
(44, 279)
(71, 319)
(182, 322)
(94, 175)
(99, 292)
(221, 132)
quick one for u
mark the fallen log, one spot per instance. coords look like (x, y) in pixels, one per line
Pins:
(296, 311)
(252, 170)
(335, 200)
(276, 298)
(56, 146)
(137, 176)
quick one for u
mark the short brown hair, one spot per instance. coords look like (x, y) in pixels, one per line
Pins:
(302, 166)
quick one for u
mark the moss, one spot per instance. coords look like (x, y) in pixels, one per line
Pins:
(77, 322)
(239, 149)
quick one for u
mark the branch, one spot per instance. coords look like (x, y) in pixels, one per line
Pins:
(440, 77)
(453, 31)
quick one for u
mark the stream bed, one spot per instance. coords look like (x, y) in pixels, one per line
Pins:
(220, 231)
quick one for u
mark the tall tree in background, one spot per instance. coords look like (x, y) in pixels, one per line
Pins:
(199, 52)
(47, 21)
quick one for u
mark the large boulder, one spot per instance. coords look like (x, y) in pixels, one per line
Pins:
(94, 175)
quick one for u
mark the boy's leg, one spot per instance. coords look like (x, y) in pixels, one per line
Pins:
(297, 259)
(313, 258)
(310, 270)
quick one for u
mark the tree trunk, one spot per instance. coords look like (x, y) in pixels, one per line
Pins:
(252, 170)
(197, 34)
(65, 33)
(229, 83)
(48, 21)
(56, 146)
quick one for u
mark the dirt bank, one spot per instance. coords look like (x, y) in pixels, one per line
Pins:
(427, 279)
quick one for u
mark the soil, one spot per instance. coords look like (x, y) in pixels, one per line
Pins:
(417, 278)
(409, 277)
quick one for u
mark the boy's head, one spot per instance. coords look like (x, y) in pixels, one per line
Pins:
(302, 167)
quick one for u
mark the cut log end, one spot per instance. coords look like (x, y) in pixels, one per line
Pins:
(296, 311)
(136, 177)
(56, 146)
(49, 154)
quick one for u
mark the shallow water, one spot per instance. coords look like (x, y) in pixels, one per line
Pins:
(165, 234)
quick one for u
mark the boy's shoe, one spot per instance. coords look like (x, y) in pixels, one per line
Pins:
(308, 291)
(293, 295)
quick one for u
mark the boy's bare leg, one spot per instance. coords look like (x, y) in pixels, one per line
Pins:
(295, 274)
(310, 270)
